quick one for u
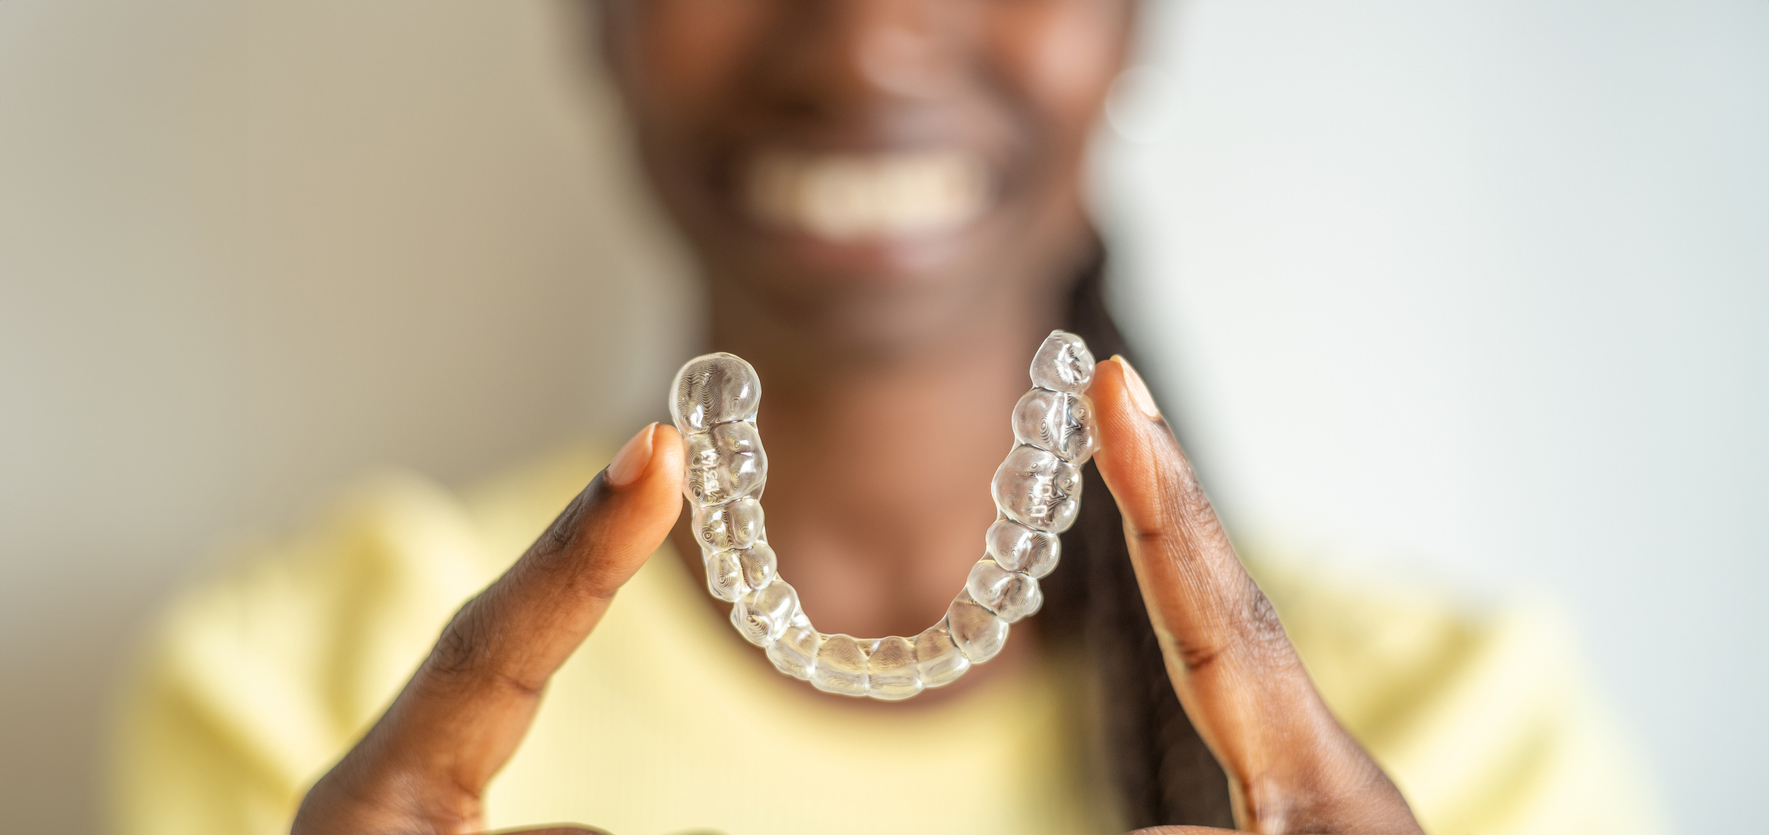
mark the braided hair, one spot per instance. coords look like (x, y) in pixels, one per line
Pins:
(1164, 772)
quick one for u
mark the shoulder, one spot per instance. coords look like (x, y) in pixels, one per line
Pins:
(1483, 715)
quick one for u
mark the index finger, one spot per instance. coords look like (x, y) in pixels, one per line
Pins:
(463, 713)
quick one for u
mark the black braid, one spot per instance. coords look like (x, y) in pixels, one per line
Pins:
(1164, 772)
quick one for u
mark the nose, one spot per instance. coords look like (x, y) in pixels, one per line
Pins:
(845, 52)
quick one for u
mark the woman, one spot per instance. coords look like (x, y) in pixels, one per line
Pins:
(885, 197)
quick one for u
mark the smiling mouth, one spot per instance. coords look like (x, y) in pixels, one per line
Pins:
(850, 197)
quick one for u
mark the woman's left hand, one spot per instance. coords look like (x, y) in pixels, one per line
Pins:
(1291, 767)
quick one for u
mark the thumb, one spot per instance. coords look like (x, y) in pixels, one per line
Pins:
(425, 764)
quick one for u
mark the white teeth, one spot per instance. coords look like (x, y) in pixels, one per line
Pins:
(851, 196)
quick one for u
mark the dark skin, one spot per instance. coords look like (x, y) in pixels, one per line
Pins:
(850, 337)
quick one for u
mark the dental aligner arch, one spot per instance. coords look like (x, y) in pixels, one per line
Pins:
(1037, 491)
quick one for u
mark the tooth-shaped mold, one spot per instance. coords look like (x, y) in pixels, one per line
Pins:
(757, 564)
(724, 576)
(1016, 547)
(892, 671)
(841, 666)
(1063, 363)
(1011, 596)
(714, 389)
(1037, 491)
(725, 463)
(729, 527)
(975, 629)
(1057, 422)
(762, 616)
(937, 657)
(795, 653)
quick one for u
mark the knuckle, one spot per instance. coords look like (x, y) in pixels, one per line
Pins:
(1249, 631)
(1260, 631)
(1185, 490)
(1196, 657)
(562, 534)
(465, 656)
(461, 649)
(1150, 536)
(1190, 495)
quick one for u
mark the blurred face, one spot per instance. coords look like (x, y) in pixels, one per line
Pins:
(870, 171)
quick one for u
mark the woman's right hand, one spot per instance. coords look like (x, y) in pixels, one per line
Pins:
(425, 764)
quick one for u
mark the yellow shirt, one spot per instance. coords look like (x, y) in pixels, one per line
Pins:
(664, 722)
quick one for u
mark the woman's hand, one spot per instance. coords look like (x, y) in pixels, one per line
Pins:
(1291, 767)
(424, 766)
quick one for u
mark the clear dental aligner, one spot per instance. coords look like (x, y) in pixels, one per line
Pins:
(1037, 493)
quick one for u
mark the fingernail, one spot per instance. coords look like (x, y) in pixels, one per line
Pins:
(632, 458)
(1139, 390)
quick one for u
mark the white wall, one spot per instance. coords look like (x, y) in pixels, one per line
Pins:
(1481, 290)
(250, 249)
(1478, 290)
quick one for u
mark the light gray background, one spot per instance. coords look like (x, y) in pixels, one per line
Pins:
(1474, 291)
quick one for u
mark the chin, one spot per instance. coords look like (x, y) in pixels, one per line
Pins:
(881, 298)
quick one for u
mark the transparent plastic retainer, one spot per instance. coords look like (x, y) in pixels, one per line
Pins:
(1037, 493)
